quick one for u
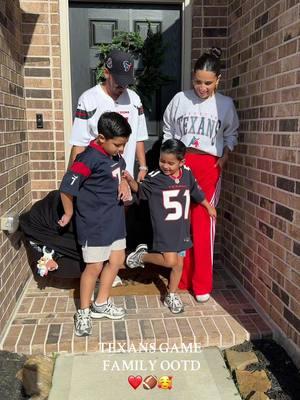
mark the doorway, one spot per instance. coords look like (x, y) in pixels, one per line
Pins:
(92, 24)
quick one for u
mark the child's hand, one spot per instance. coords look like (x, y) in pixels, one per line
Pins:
(129, 180)
(212, 211)
(124, 191)
(65, 219)
(126, 175)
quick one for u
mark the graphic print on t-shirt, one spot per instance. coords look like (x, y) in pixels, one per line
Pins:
(199, 125)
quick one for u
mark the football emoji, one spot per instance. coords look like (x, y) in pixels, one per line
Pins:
(149, 382)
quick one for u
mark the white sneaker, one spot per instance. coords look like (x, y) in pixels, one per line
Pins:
(174, 303)
(108, 310)
(134, 259)
(117, 282)
(83, 323)
(202, 298)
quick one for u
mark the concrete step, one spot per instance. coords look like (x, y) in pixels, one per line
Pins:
(194, 375)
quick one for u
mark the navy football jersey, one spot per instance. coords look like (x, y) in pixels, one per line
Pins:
(169, 203)
(94, 180)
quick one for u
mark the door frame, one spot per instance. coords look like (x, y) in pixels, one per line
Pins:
(186, 56)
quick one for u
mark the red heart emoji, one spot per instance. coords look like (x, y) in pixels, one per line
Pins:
(135, 381)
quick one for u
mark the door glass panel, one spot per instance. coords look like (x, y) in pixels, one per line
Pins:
(102, 32)
(142, 27)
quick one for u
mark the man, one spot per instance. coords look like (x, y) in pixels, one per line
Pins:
(113, 95)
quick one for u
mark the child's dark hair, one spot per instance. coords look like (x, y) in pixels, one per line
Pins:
(112, 124)
(210, 61)
(174, 146)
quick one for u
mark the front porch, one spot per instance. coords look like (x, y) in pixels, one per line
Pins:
(43, 321)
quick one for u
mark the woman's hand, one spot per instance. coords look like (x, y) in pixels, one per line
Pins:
(65, 219)
(222, 161)
(212, 211)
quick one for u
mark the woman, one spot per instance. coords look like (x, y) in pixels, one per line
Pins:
(206, 122)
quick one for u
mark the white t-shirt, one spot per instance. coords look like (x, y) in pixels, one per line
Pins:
(208, 125)
(94, 102)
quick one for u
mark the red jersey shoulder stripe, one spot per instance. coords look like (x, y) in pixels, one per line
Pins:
(81, 168)
(83, 114)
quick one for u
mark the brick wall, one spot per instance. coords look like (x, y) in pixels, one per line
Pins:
(261, 188)
(15, 193)
(210, 29)
(41, 41)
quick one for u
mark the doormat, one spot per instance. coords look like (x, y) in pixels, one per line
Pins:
(151, 280)
(142, 281)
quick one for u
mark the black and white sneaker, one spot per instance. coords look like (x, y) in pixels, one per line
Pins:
(108, 310)
(134, 259)
(173, 301)
(83, 322)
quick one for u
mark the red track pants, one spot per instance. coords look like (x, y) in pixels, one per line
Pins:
(198, 264)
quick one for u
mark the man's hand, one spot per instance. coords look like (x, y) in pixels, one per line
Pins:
(141, 175)
(65, 219)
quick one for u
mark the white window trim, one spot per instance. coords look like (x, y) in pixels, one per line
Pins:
(65, 57)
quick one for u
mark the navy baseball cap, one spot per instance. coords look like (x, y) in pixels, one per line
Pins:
(120, 65)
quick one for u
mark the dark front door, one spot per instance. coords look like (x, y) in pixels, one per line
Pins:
(92, 24)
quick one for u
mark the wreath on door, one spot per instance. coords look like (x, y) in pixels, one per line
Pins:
(151, 53)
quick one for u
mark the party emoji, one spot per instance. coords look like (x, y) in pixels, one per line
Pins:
(165, 382)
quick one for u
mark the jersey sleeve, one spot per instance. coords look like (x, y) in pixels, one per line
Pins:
(231, 128)
(145, 188)
(196, 193)
(80, 170)
(81, 135)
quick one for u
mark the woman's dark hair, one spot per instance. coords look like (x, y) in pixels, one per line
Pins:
(210, 61)
(174, 146)
(112, 124)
